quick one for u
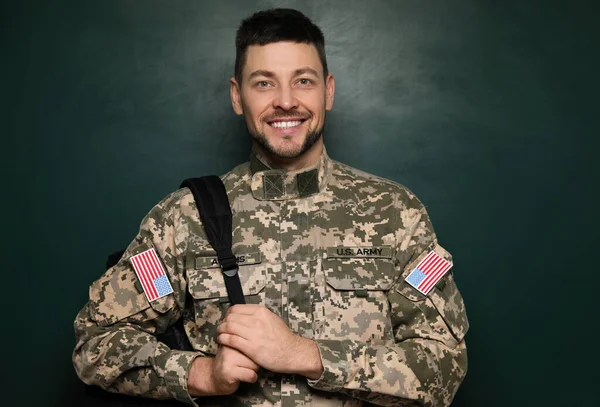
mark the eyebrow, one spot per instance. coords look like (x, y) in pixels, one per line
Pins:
(269, 74)
(261, 72)
(307, 70)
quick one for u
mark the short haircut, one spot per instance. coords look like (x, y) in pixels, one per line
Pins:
(276, 25)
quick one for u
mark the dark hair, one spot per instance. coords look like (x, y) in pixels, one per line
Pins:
(276, 25)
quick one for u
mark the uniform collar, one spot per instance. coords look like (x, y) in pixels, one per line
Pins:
(269, 184)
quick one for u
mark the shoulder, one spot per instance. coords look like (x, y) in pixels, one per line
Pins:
(237, 180)
(182, 200)
(345, 178)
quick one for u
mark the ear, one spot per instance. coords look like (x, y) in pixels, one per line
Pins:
(236, 97)
(329, 91)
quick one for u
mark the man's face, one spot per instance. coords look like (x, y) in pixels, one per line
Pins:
(283, 97)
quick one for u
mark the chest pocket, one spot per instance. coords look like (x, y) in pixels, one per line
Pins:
(352, 303)
(207, 288)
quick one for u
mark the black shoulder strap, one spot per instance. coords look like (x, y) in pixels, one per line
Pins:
(215, 213)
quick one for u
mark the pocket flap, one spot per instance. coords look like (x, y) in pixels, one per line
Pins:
(408, 290)
(117, 294)
(444, 297)
(209, 282)
(359, 273)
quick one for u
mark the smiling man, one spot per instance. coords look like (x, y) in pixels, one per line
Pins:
(283, 90)
(350, 299)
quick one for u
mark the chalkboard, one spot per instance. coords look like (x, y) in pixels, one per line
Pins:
(487, 110)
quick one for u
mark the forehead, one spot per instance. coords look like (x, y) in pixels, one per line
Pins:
(282, 58)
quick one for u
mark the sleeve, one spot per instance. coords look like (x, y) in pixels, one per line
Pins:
(428, 359)
(116, 347)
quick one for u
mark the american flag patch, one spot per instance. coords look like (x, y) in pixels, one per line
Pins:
(152, 275)
(428, 272)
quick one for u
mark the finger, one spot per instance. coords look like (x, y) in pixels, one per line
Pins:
(247, 363)
(237, 358)
(244, 319)
(246, 375)
(235, 342)
(245, 309)
(234, 328)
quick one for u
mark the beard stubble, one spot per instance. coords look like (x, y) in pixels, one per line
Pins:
(311, 138)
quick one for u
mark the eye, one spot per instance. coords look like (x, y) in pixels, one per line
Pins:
(262, 84)
(305, 81)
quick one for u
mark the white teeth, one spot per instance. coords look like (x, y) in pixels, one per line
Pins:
(285, 125)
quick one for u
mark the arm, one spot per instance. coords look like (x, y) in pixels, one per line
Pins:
(116, 344)
(428, 360)
(116, 347)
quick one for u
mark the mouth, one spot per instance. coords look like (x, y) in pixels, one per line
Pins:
(287, 125)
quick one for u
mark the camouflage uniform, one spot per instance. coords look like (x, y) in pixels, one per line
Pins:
(327, 249)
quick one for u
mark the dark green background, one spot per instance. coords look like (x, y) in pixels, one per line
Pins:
(488, 110)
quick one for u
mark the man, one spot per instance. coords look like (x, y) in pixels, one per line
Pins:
(328, 257)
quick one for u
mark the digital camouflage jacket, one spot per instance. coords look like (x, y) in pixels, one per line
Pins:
(327, 249)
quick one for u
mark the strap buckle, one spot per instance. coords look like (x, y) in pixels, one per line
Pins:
(230, 272)
(229, 266)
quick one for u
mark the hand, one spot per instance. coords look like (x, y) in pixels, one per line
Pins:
(222, 374)
(266, 339)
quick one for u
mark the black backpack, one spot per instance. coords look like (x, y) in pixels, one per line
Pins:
(215, 213)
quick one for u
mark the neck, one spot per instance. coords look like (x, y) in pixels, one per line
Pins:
(310, 157)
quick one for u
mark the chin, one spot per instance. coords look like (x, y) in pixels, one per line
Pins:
(286, 146)
(286, 151)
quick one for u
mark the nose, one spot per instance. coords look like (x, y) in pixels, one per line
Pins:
(285, 99)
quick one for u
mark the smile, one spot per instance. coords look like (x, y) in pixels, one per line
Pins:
(286, 124)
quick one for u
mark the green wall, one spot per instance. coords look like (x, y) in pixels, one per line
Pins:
(488, 110)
